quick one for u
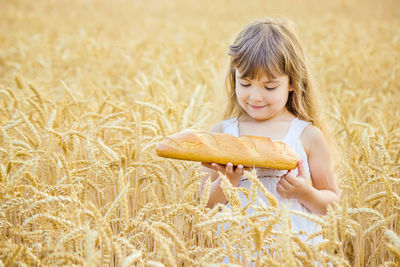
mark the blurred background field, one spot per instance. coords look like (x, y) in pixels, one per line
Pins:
(87, 88)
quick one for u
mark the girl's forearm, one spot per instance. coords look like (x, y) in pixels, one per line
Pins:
(317, 201)
(216, 194)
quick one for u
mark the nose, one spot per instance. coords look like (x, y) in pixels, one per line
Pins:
(256, 94)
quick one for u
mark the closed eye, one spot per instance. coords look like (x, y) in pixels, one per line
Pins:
(244, 85)
(270, 88)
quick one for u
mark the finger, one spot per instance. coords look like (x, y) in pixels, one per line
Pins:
(289, 172)
(229, 167)
(218, 167)
(301, 169)
(281, 191)
(239, 169)
(291, 179)
(285, 184)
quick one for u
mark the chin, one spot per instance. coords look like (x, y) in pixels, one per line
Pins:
(259, 117)
(262, 116)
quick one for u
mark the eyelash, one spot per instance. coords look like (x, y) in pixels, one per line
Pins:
(247, 85)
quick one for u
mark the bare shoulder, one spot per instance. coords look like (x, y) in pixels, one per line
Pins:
(217, 128)
(312, 132)
(312, 137)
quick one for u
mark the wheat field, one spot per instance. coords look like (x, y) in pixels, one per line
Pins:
(88, 88)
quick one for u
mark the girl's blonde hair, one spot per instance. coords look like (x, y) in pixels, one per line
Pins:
(271, 47)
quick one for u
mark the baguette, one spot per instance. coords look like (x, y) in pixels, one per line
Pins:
(222, 148)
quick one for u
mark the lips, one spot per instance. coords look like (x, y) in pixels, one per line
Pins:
(257, 107)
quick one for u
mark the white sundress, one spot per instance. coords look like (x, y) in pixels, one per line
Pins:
(270, 177)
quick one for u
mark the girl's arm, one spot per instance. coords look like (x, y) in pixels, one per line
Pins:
(216, 193)
(324, 190)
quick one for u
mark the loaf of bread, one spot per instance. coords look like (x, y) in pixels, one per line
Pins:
(222, 148)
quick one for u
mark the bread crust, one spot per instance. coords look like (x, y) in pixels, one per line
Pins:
(222, 148)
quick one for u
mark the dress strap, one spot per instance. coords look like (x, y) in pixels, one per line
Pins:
(296, 129)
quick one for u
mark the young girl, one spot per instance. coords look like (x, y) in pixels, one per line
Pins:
(271, 94)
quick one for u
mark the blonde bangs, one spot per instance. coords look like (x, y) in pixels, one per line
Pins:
(251, 56)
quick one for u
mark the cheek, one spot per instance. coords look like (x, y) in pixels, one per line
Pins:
(274, 98)
(240, 94)
(280, 97)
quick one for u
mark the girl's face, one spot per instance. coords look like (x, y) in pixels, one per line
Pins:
(262, 99)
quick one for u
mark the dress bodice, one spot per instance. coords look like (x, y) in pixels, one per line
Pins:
(292, 138)
(270, 177)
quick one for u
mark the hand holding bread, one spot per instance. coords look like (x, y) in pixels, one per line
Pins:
(222, 148)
